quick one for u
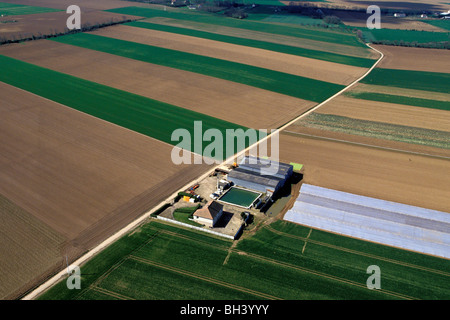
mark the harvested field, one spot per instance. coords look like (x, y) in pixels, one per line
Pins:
(9, 9)
(29, 248)
(284, 83)
(312, 38)
(50, 23)
(384, 174)
(259, 44)
(140, 114)
(84, 5)
(378, 130)
(393, 105)
(391, 113)
(419, 59)
(264, 36)
(226, 100)
(82, 177)
(367, 140)
(298, 32)
(305, 67)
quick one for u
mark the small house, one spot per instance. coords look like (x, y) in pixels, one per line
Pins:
(209, 214)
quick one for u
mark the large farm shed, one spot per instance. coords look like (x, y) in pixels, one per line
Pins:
(254, 173)
(390, 223)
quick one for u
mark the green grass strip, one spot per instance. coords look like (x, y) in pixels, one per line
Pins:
(147, 116)
(11, 9)
(410, 36)
(379, 130)
(220, 20)
(419, 80)
(440, 23)
(308, 53)
(408, 101)
(284, 83)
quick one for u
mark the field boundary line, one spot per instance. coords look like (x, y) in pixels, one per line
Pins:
(405, 264)
(230, 250)
(111, 293)
(366, 145)
(306, 240)
(327, 276)
(204, 278)
(182, 236)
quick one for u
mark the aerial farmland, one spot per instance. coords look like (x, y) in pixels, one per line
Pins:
(88, 139)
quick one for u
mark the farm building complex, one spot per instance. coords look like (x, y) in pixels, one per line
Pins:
(263, 175)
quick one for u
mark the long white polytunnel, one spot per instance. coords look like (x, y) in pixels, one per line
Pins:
(390, 223)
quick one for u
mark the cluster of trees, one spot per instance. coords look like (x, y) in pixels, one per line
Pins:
(236, 12)
(432, 45)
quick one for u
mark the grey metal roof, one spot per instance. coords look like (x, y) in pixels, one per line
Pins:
(251, 176)
(258, 165)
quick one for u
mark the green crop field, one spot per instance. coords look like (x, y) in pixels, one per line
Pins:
(441, 23)
(281, 261)
(410, 36)
(147, 116)
(408, 101)
(419, 80)
(10, 9)
(306, 32)
(295, 19)
(284, 83)
(309, 53)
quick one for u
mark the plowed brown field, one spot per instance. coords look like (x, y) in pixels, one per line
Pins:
(83, 4)
(420, 59)
(301, 66)
(227, 100)
(393, 113)
(269, 37)
(384, 174)
(81, 177)
(50, 23)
